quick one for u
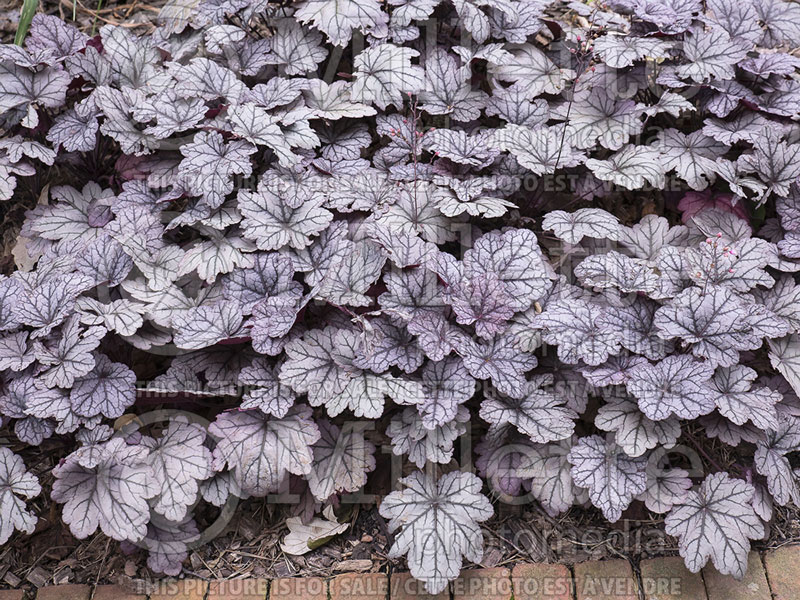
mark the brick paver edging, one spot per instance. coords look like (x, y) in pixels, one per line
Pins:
(775, 575)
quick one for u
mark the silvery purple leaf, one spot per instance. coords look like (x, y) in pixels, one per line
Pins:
(122, 316)
(447, 385)
(333, 101)
(179, 460)
(14, 352)
(501, 453)
(665, 488)
(258, 127)
(616, 370)
(615, 270)
(499, 360)
(770, 460)
(108, 389)
(738, 400)
(597, 116)
(717, 426)
(782, 22)
(652, 233)
(219, 253)
(462, 148)
(134, 59)
(112, 495)
(411, 293)
(692, 156)
(717, 324)
(612, 477)
(18, 483)
(273, 222)
(739, 19)
(630, 168)
(270, 276)
(776, 162)
(436, 336)
(739, 265)
(70, 356)
(416, 210)
(383, 73)
(46, 403)
(208, 80)
(350, 278)
(482, 301)
(260, 450)
(547, 469)
(446, 91)
(168, 544)
(219, 488)
(515, 23)
(422, 445)
(539, 414)
(16, 401)
(716, 521)
(90, 452)
(272, 319)
(541, 150)
(209, 163)
(339, 18)
(48, 32)
(320, 363)
(671, 16)
(104, 260)
(712, 54)
(676, 385)
(170, 112)
(513, 106)
(388, 345)
(531, 68)
(515, 258)
(21, 87)
(783, 300)
(342, 459)
(621, 51)
(747, 126)
(405, 249)
(576, 327)
(633, 431)
(584, 222)
(207, 325)
(263, 389)
(17, 148)
(632, 322)
(438, 523)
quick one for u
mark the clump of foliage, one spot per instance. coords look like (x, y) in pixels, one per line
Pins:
(334, 212)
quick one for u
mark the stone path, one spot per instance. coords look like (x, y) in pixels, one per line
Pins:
(775, 575)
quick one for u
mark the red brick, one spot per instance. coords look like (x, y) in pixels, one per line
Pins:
(404, 587)
(115, 592)
(182, 589)
(12, 594)
(359, 586)
(724, 587)
(605, 580)
(298, 588)
(238, 589)
(541, 581)
(669, 579)
(64, 592)
(783, 572)
(483, 584)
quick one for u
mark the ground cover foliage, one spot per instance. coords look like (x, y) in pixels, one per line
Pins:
(326, 217)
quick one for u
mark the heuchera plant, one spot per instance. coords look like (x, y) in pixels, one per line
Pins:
(322, 213)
